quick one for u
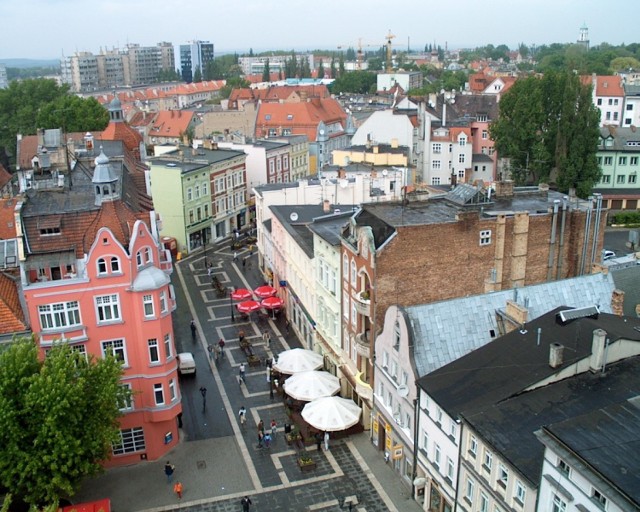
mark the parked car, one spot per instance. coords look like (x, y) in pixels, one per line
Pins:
(608, 255)
(186, 363)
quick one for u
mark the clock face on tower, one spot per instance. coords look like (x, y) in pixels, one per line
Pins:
(321, 132)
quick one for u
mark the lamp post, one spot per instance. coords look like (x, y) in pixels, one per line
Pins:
(233, 316)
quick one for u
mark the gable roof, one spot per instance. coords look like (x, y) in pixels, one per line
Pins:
(5, 176)
(448, 330)
(12, 319)
(171, 123)
(7, 218)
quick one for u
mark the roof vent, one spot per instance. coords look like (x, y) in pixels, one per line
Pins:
(574, 314)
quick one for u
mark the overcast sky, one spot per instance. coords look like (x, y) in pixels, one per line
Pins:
(51, 28)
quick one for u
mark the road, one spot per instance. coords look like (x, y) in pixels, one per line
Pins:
(615, 239)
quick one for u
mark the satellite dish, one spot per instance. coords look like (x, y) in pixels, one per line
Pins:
(293, 216)
(403, 390)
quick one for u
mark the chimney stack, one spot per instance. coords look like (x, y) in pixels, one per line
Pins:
(326, 206)
(504, 188)
(555, 355)
(596, 362)
(617, 302)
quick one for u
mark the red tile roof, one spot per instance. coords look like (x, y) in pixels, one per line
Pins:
(123, 132)
(300, 118)
(27, 149)
(5, 176)
(170, 123)
(7, 218)
(454, 132)
(12, 319)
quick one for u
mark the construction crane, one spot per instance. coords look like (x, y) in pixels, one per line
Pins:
(389, 45)
(359, 52)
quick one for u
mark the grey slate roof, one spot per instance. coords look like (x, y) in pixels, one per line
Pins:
(628, 280)
(608, 440)
(510, 425)
(445, 331)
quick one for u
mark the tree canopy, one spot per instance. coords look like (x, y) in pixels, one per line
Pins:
(548, 128)
(58, 418)
(41, 103)
(359, 82)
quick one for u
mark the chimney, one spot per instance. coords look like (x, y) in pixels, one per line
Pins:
(555, 355)
(40, 136)
(375, 149)
(326, 206)
(504, 188)
(394, 143)
(519, 314)
(342, 174)
(596, 361)
(617, 302)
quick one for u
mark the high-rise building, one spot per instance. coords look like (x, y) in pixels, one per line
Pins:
(195, 55)
(4, 82)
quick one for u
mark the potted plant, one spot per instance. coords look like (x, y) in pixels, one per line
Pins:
(305, 462)
(293, 437)
(253, 360)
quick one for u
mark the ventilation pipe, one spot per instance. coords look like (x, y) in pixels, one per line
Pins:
(587, 229)
(565, 200)
(552, 242)
(598, 344)
(596, 226)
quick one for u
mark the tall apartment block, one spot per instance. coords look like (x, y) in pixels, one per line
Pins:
(133, 65)
(195, 55)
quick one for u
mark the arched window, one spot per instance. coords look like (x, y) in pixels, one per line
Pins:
(147, 255)
(345, 267)
(354, 273)
(115, 264)
(396, 335)
(102, 266)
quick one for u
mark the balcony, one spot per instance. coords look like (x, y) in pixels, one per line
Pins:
(363, 344)
(362, 303)
(363, 388)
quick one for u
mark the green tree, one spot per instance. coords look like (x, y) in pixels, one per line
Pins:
(73, 114)
(341, 65)
(359, 82)
(321, 69)
(233, 83)
(266, 72)
(58, 418)
(197, 76)
(548, 128)
(624, 63)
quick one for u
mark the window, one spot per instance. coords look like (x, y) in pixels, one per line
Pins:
(503, 476)
(394, 369)
(558, 505)
(115, 347)
(126, 402)
(108, 308)
(606, 178)
(599, 101)
(425, 440)
(450, 469)
(439, 415)
(102, 266)
(622, 160)
(147, 300)
(468, 492)
(483, 118)
(172, 389)
(59, 315)
(563, 467)
(354, 274)
(436, 456)
(131, 440)
(354, 314)
(345, 304)
(462, 141)
(521, 492)
(488, 460)
(599, 498)
(485, 134)
(629, 106)
(435, 180)
(115, 264)
(608, 116)
(608, 160)
(163, 302)
(620, 179)
(167, 346)
(461, 158)
(453, 428)
(154, 352)
(484, 503)
(345, 266)
(396, 336)
(633, 160)
(632, 178)
(204, 189)
(473, 446)
(437, 148)
(158, 393)
(189, 194)
(385, 359)
(485, 237)
(436, 164)
(196, 191)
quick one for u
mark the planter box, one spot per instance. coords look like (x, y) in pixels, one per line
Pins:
(254, 361)
(307, 465)
(295, 439)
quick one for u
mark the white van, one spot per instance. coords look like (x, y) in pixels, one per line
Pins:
(186, 363)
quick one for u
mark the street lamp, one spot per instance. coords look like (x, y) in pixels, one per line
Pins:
(233, 316)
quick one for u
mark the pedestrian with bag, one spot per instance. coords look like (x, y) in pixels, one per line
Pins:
(242, 415)
(168, 470)
(242, 370)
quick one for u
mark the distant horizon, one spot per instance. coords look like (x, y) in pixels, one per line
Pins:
(67, 26)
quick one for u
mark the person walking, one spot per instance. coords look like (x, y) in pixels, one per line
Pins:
(267, 440)
(235, 255)
(168, 470)
(326, 441)
(193, 329)
(221, 344)
(274, 428)
(211, 351)
(177, 488)
(246, 503)
(242, 415)
(242, 370)
(286, 326)
(217, 351)
(319, 441)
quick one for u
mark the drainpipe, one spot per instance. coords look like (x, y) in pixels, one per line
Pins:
(552, 242)
(596, 226)
(416, 424)
(585, 240)
(562, 224)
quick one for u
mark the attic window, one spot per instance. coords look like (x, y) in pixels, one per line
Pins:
(105, 241)
(50, 225)
(50, 231)
(289, 117)
(267, 117)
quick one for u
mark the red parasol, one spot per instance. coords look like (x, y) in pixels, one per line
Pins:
(241, 294)
(248, 306)
(264, 291)
(272, 303)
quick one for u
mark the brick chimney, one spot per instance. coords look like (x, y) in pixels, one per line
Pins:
(517, 313)
(504, 188)
(617, 302)
(326, 206)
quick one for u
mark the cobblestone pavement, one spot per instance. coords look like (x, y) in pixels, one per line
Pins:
(217, 471)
